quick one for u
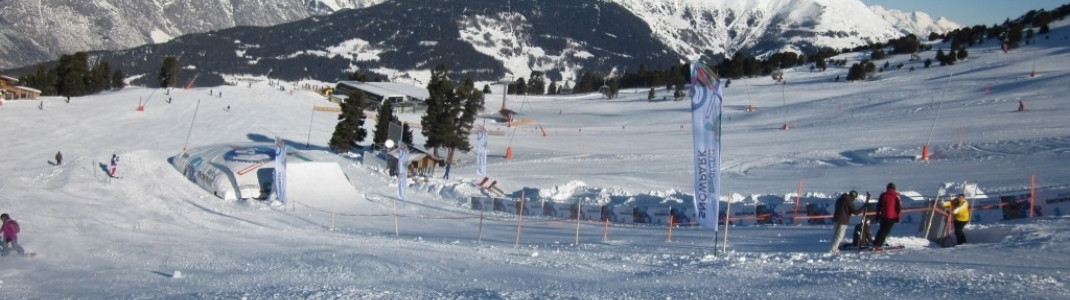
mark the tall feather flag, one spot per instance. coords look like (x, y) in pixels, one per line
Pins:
(403, 170)
(706, 100)
(280, 169)
(481, 150)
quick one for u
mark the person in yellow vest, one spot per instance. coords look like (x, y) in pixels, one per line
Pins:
(960, 210)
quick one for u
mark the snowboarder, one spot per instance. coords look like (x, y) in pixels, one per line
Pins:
(59, 158)
(114, 165)
(888, 209)
(845, 208)
(10, 232)
(960, 208)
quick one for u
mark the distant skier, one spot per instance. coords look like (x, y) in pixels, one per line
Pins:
(888, 209)
(959, 208)
(1021, 105)
(447, 173)
(845, 208)
(10, 232)
(59, 158)
(114, 165)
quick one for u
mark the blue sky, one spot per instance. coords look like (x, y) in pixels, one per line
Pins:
(970, 12)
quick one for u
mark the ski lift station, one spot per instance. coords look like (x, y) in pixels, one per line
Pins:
(400, 94)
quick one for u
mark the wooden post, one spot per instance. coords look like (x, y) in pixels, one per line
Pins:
(605, 232)
(482, 208)
(798, 199)
(578, 209)
(1032, 193)
(727, 221)
(519, 220)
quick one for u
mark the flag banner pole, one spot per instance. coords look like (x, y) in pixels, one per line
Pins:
(706, 101)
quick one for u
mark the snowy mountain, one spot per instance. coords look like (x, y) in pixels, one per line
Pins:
(691, 27)
(917, 23)
(36, 31)
(43, 30)
(484, 39)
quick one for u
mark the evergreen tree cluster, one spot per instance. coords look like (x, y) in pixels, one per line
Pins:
(451, 112)
(72, 76)
(861, 71)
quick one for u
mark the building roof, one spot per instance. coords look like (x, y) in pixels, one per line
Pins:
(9, 78)
(26, 88)
(389, 89)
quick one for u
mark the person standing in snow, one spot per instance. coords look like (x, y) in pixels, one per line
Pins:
(845, 208)
(10, 232)
(960, 208)
(888, 209)
(59, 158)
(114, 165)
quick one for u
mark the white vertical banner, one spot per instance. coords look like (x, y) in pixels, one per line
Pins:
(481, 150)
(403, 170)
(706, 99)
(280, 169)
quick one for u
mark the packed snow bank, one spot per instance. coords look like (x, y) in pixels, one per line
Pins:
(322, 186)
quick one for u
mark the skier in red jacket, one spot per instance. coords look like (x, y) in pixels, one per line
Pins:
(888, 209)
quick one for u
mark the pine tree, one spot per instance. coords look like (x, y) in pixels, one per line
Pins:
(384, 115)
(436, 122)
(169, 71)
(350, 128)
(472, 104)
(117, 80)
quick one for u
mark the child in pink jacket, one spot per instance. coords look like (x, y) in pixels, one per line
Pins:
(10, 232)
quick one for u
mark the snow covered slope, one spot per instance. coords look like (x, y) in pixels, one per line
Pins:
(155, 235)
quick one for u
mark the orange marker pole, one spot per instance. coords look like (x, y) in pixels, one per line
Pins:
(605, 232)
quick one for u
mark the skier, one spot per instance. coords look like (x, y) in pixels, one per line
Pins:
(888, 209)
(447, 173)
(960, 208)
(114, 165)
(59, 158)
(845, 208)
(10, 232)
(1021, 105)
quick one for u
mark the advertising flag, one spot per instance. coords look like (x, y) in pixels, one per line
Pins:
(280, 169)
(706, 99)
(403, 176)
(481, 150)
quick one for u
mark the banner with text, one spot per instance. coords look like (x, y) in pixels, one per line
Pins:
(706, 99)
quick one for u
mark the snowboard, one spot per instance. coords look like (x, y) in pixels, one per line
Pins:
(852, 247)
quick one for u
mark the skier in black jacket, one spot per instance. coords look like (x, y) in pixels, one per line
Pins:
(845, 208)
